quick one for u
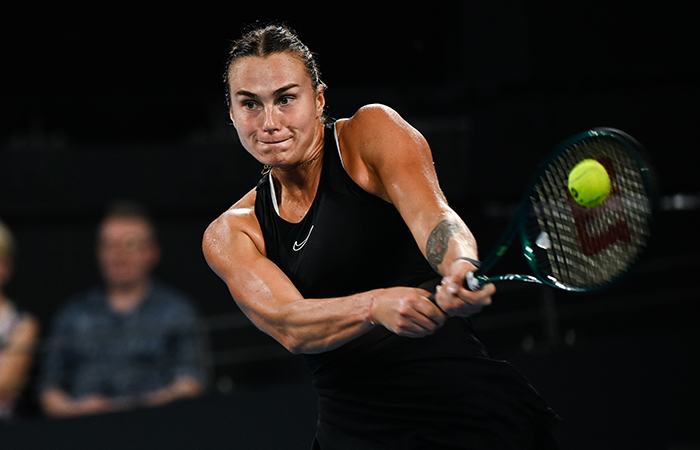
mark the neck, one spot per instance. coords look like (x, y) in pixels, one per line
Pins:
(295, 185)
(295, 190)
(125, 297)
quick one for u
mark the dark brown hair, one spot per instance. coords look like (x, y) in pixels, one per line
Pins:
(263, 41)
(127, 209)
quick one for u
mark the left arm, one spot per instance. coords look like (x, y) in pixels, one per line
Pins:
(17, 357)
(183, 387)
(392, 160)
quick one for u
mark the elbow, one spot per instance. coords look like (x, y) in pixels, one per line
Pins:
(293, 331)
(297, 342)
(293, 344)
(280, 325)
(301, 346)
(295, 350)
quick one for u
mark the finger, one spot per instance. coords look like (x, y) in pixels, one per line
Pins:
(484, 293)
(431, 309)
(454, 284)
(428, 318)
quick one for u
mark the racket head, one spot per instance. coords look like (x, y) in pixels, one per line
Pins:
(574, 248)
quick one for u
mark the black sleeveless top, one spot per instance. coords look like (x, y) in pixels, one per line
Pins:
(382, 390)
(349, 241)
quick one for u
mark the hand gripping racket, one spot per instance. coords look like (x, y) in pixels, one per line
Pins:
(569, 246)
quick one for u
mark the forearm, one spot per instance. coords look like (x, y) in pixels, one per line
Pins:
(14, 370)
(449, 240)
(184, 387)
(56, 402)
(452, 250)
(318, 325)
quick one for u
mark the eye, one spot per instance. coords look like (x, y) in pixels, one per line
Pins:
(249, 104)
(285, 100)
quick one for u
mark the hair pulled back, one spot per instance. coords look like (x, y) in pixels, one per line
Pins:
(267, 40)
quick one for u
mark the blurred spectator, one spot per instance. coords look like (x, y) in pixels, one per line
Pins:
(131, 342)
(19, 332)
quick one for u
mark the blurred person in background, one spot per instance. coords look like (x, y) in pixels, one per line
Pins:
(19, 332)
(133, 341)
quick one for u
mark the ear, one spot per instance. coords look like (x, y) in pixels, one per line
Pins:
(154, 256)
(320, 101)
(230, 114)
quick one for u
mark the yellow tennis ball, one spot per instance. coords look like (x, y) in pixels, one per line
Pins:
(589, 183)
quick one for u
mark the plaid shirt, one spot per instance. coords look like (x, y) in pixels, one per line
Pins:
(95, 350)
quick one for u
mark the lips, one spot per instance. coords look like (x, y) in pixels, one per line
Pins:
(273, 141)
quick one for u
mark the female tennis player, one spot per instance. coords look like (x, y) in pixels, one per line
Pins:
(335, 253)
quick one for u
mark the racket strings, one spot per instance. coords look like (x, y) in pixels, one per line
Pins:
(582, 247)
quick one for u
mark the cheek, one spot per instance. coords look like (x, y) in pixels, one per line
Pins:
(245, 130)
(304, 118)
(242, 122)
(245, 138)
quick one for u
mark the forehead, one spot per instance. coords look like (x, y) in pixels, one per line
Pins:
(257, 74)
(117, 227)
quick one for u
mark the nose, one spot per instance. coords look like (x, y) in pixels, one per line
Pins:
(271, 123)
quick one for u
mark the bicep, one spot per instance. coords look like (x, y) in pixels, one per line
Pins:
(396, 160)
(257, 285)
(399, 161)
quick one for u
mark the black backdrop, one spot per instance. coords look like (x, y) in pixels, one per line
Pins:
(114, 102)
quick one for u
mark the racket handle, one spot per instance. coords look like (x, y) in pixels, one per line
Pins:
(473, 283)
(432, 299)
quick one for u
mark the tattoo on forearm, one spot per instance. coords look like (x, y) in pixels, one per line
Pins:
(439, 239)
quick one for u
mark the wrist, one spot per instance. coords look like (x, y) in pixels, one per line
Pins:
(370, 316)
(472, 261)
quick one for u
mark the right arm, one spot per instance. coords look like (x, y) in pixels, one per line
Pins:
(58, 403)
(234, 248)
(16, 359)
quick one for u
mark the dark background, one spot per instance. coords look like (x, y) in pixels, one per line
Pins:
(110, 101)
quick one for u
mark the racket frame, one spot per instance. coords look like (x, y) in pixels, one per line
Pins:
(477, 278)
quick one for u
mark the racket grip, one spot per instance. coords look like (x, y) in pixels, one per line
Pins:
(431, 297)
(472, 282)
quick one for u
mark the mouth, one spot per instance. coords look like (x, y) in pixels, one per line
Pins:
(273, 141)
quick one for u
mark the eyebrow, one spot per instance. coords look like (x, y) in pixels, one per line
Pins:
(244, 93)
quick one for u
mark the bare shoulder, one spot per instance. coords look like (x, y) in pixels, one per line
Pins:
(235, 217)
(374, 119)
(236, 223)
(377, 130)
(376, 141)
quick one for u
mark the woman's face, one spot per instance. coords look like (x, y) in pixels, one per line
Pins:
(274, 108)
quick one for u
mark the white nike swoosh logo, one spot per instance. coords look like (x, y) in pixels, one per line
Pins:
(298, 246)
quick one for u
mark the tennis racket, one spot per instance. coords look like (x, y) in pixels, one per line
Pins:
(569, 246)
